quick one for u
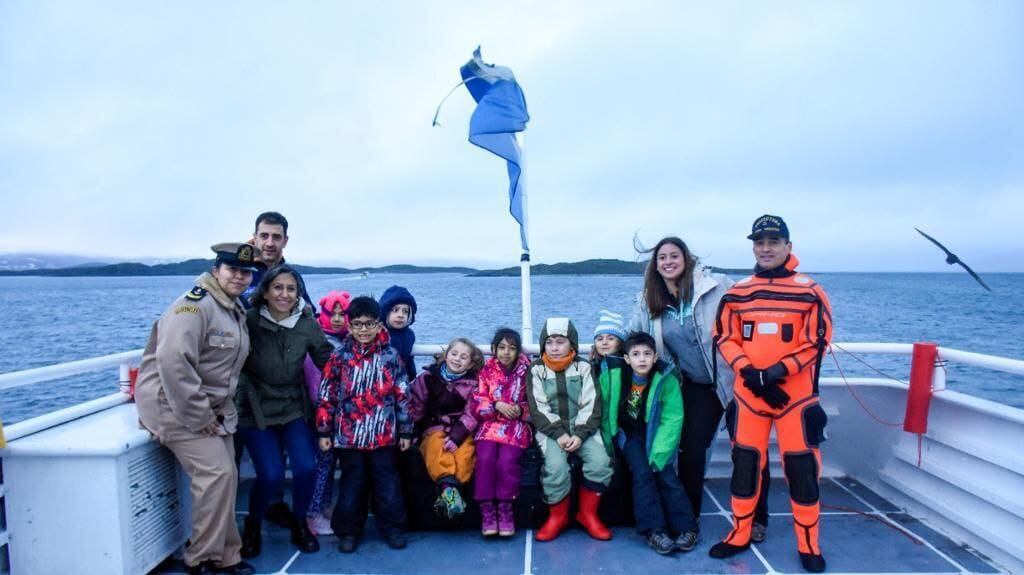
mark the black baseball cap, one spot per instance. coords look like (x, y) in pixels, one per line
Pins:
(769, 225)
(236, 255)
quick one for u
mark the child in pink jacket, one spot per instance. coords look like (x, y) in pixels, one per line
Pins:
(504, 433)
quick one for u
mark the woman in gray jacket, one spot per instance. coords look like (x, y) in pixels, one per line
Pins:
(678, 306)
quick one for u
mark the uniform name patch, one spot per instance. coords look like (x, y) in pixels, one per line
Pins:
(186, 309)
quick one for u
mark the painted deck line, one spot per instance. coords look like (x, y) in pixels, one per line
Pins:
(929, 551)
(528, 555)
(728, 516)
(289, 563)
(895, 525)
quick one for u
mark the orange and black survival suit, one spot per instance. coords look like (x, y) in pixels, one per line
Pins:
(773, 329)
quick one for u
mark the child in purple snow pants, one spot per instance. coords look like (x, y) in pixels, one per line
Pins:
(504, 433)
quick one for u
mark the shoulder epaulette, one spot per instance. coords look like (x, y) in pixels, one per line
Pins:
(196, 293)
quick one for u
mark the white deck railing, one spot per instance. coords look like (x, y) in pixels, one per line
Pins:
(123, 361)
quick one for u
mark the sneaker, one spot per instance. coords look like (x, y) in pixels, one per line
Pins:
(348, 543)
(453, 501)
(661, 542)
(758, 533)
(440, 506)
(397, 541)
(686, 541)
(320, 525)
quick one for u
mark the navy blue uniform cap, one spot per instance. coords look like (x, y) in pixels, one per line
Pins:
(769, 225)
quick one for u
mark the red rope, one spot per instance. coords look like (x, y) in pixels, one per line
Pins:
(873, 368)
(855, 396)
(905, 533)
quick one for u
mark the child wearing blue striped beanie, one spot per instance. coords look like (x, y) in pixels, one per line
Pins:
(608, 336)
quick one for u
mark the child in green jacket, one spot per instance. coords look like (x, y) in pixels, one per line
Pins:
(644, 416)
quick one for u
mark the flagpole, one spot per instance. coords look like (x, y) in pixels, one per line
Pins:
(524, 259)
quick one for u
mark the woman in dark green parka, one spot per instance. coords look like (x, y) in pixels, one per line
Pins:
(274, 409)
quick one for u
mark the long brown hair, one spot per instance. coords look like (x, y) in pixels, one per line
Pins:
(656, 293)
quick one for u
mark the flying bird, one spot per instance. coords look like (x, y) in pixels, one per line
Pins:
(951, 259)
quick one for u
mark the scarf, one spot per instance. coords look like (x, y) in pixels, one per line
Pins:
(448, 375)
(559, 364)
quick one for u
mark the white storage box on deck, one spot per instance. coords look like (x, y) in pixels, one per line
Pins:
(96, 495)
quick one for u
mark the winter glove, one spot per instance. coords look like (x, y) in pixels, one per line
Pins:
(753, 379)
(775, 396)
(756, 380)
(776, 373)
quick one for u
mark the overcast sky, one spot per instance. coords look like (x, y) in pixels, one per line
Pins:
(153, 129)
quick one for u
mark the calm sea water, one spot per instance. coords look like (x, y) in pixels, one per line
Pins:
(53, 320)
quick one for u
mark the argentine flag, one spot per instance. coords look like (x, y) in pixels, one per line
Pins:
(500, 113)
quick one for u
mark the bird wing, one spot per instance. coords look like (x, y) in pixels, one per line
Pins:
(934, 241)
(974, 275)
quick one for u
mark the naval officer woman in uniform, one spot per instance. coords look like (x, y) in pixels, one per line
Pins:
(185, 394)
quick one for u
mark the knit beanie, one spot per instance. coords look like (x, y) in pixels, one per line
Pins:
(610, 322)
(327, 304)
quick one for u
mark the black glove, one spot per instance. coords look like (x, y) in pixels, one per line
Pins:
(753, 379)
(756, 379)
(776, 373)
(774, 396)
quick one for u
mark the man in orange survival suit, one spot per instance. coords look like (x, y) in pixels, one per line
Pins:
(773, 329)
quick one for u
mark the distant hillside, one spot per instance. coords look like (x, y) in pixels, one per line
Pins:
(586, 267)
(23, 261)
(195, 267)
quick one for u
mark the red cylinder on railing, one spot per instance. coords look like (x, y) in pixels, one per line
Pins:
(133, 375)
(922, 368)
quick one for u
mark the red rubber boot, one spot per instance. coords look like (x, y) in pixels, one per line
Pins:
(558, 520)
(587, 517)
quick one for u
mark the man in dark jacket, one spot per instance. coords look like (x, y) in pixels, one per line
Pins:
(270, 238)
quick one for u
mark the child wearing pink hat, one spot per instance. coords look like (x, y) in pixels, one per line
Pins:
(335, 325)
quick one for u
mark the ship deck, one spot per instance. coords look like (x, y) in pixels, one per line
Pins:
(861, 532)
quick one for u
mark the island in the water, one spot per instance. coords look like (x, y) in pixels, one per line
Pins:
(195, 267)
(588, 267)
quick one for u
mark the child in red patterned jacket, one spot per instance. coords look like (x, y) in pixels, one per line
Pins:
(501, 406)
(363, 415)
